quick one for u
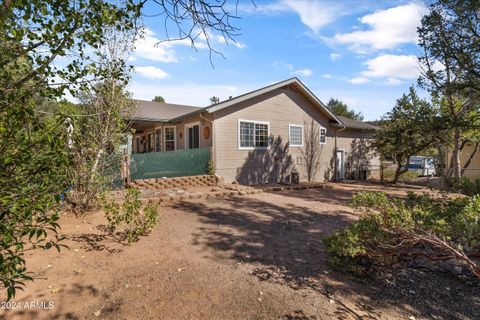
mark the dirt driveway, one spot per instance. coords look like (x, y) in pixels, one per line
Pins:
(250, 257)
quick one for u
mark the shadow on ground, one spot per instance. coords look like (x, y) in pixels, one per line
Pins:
(337, 195)
(111, 242)
(42, 310)
(283, 242)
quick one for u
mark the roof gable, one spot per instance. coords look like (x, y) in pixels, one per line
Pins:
(295, 82)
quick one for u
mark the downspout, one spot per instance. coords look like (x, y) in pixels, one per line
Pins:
(335, 153)
(214, 154)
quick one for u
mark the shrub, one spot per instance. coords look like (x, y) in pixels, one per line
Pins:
(463, 185)
(136, 221)
(391, 229)
(408, 176)
(33, 175)
(211, 167)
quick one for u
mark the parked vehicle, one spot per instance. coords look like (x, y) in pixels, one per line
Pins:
(423, 166)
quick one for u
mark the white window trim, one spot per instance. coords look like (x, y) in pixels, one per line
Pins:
(165, 137)
(290, 138)
(320, 135)
(185, 132)
(254, 122)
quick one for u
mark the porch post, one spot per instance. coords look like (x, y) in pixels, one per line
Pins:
(127, 153)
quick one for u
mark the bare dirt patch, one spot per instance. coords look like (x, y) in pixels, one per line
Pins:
(251, 257)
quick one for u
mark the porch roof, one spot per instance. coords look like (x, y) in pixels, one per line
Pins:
(151, 111)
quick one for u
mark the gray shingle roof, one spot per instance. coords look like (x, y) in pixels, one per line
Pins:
(356, 124)
(164, 112)
(160, 112)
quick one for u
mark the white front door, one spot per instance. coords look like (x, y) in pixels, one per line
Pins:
(340, 165)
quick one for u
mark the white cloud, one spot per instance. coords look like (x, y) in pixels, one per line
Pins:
(358, 80)
(149, 47)
(152, 48)
(387, 29)
(239, 45)
(152, 72)
(281, 65)
(392, 66)
(278, 65)
(216, 39)
(269, 9)
(393, 82)
(334, 56)
(315, 14)
(303, 72)
(327, 76)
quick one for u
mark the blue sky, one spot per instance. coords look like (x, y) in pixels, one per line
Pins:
(361, 52)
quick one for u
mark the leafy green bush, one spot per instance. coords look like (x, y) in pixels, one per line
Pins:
(137, 221)
(463, 185)
(33, 175)
(392, 228)
(211, 167)
(405, 177)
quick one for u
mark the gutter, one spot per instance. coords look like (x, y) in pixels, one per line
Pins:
(149, 120)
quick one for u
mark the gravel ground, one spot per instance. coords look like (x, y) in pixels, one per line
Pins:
(251, 257)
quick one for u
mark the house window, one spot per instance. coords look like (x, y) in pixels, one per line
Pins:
(295, 135)
(323, 135)
(246, 134)
(253, 134)
(170, 139)
(158, 140)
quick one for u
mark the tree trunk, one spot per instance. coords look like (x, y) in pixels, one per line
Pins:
(441, 168)
(382, 181)
(399, 171)
(456, 166)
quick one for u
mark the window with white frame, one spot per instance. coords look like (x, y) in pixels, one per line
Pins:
(169, 138)
(295, 135)
(323, 135)
(253, 134)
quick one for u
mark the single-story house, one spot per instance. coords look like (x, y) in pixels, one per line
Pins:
(261, 136)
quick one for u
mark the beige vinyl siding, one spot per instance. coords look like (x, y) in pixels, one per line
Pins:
(346, 139)
(280, 108)
(473, 170)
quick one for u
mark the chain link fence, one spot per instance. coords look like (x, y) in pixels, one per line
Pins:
(169, 164)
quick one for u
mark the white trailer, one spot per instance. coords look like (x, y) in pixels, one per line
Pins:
(423, 166)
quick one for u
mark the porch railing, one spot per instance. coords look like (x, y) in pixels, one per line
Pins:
(169, 164)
